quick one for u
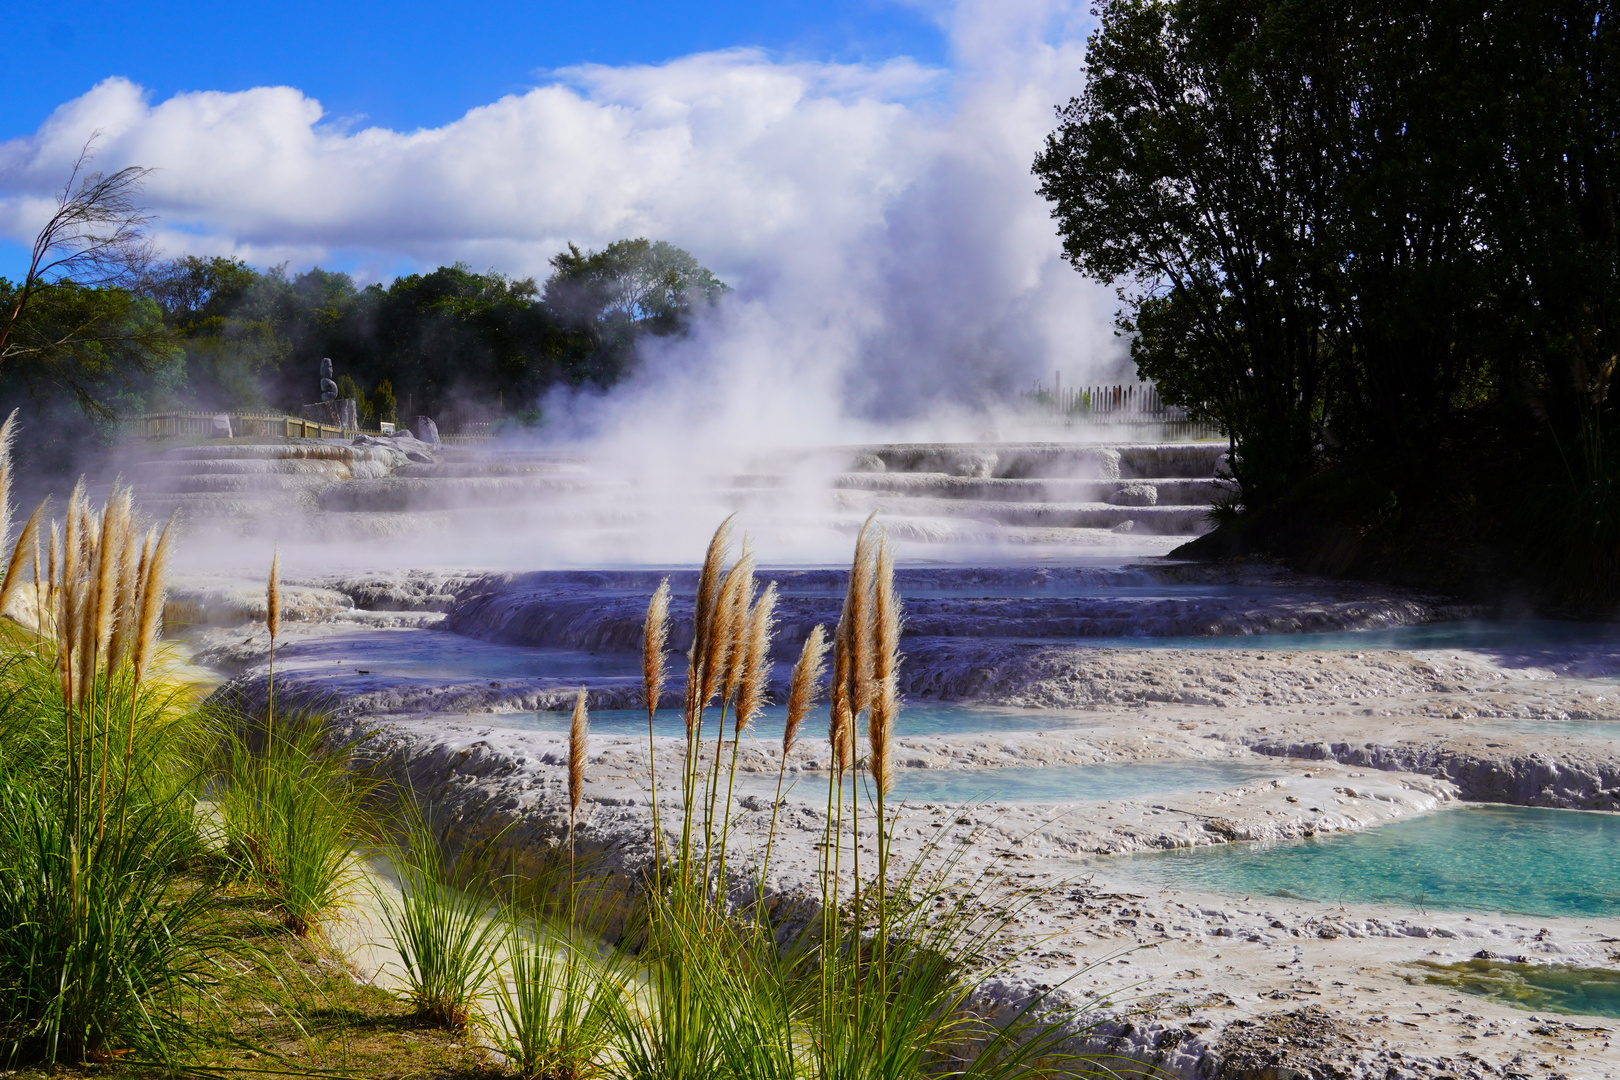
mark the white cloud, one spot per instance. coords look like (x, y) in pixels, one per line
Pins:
(879, 220)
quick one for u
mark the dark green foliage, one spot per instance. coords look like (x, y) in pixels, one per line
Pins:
(383, 404)
(1369, 239)
(450, 343)
(77, 358)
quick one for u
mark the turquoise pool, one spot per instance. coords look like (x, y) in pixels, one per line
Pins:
(1522, 860)
(1075, 783)
(915, 719)
(1051, 784)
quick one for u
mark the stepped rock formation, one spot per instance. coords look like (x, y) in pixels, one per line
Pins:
(1008, 493)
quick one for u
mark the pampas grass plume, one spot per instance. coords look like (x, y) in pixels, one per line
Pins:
(802, 690)
(51, 579)
(154, 593)
(115, 536)
(272, 597)
(72, 530)
(697, 678)
(838, 703)
(709, 586)
(885, 669)
(577, 728)
(129, 589)
(654, 641)
(726, 624)
(860, 623)
(756, 660)
(741, 585)
(27, 540)
(8, 438)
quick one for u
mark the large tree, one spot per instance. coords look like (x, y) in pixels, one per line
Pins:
(1194, 171)
(1375, 239)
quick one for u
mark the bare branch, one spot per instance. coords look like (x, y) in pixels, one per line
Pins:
(97, 236)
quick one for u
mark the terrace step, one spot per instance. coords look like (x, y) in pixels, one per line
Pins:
(1166, 491)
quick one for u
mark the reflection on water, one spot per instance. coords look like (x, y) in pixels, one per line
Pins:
(1525, 860)
(1539, 987)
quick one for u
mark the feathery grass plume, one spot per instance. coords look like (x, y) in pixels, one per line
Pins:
(577, 727)
(839, 721)
(27, 540)
(272, 622)
(115, 536)
(725, 623)
(736, 630)
(86, 645)
(50, 573)
(654, 644)
(128, 606)
(654, 641)
(801, 695)
(702, 617)
(709, 586)
(8, 437)
(756, 661)
(812, 664)
(272, 597)
(72, 543)
(885, 670)
(154, 592)
(39, 594)
(65, 636)
(89, 536)
(860, 622)
(109, 559)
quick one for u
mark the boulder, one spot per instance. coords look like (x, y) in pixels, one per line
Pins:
(1135, 495)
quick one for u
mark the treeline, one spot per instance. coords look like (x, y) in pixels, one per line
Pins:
(1377, 242)
(451, 341)
(194, 333)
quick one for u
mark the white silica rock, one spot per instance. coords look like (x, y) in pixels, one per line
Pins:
(1135, 495)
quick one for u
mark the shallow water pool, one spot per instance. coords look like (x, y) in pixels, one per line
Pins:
(1589, 729)
(918, 719)
(1508, 635)
(1523, 860)
(1051, 784)
(1075, 783)
(1542, 987)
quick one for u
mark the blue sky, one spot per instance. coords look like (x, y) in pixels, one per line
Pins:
(859, 170)
(405, 64)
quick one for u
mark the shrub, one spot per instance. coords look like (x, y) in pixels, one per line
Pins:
(293, 813)
(446, 933)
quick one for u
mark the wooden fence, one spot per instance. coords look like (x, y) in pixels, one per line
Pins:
(250, 425)
(1135, 407)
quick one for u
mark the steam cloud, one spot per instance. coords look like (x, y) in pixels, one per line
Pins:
(894, 268)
